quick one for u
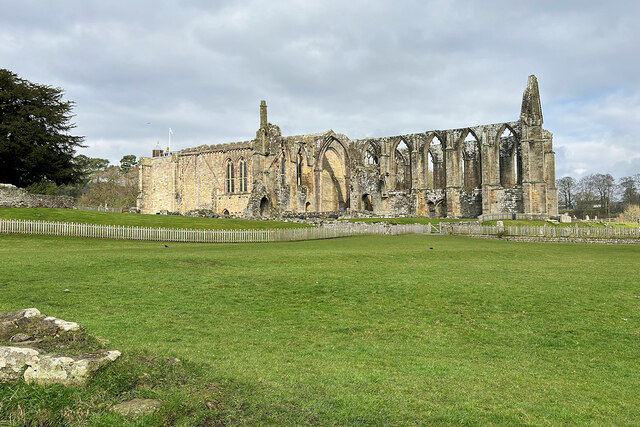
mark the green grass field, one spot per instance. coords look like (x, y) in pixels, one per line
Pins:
(127, 219)
(354, 331)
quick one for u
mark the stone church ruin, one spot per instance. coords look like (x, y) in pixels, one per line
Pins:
(502, 170)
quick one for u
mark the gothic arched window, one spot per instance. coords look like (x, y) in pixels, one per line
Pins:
(230, 176)
(242, 166)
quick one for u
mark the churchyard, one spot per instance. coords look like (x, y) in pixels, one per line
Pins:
(370, 330)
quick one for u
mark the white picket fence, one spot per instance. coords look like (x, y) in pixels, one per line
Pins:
(547, 231)
(16, 226)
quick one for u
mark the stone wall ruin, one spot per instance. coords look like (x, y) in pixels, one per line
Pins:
(503, 168)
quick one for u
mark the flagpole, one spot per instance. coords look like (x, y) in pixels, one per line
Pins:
(170, 140)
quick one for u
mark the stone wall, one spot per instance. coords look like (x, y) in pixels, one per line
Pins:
(14, 197)
(197, 179)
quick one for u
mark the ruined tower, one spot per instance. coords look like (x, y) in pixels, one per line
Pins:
(540, 196)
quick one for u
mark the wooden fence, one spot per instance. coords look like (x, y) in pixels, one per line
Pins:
(16, 226)
(547, 231)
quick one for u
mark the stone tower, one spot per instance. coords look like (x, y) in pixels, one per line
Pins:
(539, 192)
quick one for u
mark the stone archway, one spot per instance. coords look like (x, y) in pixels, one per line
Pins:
(225, 212)
(265, 206)
(367, 202)
(334, 178)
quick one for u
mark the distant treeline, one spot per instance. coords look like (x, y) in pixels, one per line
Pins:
(598, 195)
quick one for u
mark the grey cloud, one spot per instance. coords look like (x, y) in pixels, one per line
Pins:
(363, 68)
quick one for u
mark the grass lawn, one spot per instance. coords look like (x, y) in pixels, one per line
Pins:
(158, 221)
(355, 331)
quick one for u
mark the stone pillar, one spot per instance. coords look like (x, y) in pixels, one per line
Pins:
(263, 114)
(550, 178)
(487, 166)
(384, 168)
(317, 173)
(452, 171)
(413, 162)
(535, 185)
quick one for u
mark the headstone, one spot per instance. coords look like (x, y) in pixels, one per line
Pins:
(565, 218)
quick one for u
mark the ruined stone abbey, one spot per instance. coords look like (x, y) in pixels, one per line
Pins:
(500, 170)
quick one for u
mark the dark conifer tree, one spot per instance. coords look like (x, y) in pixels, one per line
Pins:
(35, 144)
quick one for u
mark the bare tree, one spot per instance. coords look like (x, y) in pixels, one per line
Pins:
(628, 186)
(566, 190)
(597, 190)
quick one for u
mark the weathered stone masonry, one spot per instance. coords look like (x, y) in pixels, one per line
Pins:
(494, 170)
(14, 197)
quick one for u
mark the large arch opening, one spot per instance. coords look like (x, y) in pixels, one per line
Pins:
(402, 167)
(436, 166)
(510, 159)
(334, 177)
(471, 173)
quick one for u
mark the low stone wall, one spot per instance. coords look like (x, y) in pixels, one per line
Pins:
(560, 240)
(512, 216)
(14, 197)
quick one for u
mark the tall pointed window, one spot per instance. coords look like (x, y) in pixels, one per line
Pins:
(282, 171)
(370, 158)
(402, 167)
(230, 176)
(242, 166)
(299, 169)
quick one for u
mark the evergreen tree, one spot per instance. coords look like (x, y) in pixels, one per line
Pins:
(127, 162)
(35, 144)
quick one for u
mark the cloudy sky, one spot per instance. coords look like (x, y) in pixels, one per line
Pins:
(362, 68)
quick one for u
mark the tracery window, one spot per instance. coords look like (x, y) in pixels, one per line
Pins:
(242, 166)
(230, 177)
(370, 158)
